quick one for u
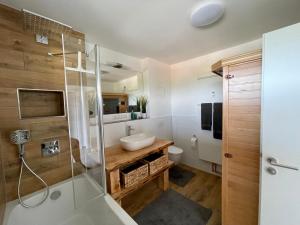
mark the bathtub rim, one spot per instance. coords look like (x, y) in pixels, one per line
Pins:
(11, 205)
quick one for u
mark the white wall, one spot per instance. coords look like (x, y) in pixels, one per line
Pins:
(160, 127)
(187, 93)
(158, 82)
(108, 87)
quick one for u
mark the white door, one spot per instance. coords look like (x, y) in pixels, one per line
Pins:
(280, 136)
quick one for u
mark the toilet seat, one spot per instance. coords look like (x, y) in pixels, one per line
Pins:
(175, 154)
(175, 150)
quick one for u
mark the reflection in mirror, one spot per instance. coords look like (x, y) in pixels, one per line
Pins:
(121, 88)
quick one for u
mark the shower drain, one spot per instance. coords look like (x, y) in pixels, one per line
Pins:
(55, 195)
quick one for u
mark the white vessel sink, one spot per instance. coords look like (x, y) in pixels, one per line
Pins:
(137, 141)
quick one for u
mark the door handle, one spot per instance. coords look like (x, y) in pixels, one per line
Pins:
(228, 155)
(274, 162)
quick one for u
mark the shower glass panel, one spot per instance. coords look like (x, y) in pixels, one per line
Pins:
(84, 110)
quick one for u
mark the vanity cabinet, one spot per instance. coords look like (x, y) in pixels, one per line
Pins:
(241, 137)
(117, 160)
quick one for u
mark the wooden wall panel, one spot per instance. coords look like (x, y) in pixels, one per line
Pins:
(241, 141)
(2, 187)
(26, 64)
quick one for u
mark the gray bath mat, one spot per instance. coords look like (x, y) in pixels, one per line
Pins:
(172, 208)
(180, 176)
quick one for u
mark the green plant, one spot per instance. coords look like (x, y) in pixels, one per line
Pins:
(138, 104)
(143, 101)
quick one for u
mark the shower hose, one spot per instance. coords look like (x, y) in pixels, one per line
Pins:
(46, 192)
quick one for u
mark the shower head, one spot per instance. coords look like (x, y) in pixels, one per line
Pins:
(20, 137)
(39, 24)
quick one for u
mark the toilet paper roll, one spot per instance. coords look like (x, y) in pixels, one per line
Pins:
(194, 140)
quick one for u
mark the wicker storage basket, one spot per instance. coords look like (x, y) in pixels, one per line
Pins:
(134, 173)
(156, 162)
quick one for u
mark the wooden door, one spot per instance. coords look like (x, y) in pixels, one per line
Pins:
(241, 143)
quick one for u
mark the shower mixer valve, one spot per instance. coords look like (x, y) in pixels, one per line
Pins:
(50, 148)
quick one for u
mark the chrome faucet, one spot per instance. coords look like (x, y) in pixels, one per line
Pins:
(128, 130)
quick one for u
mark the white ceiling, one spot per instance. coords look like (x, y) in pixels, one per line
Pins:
(161, 29)
(112, 74)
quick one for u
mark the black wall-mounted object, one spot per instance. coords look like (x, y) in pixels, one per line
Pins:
(206, 116)
(217, 120)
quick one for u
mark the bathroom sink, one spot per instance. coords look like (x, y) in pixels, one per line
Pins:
(137, 141)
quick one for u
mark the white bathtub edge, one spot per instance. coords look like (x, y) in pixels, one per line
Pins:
(120, 213)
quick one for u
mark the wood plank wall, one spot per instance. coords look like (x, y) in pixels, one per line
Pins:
(25, 64)
(2, 188)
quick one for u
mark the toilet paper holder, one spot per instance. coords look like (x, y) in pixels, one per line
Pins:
(194, 140)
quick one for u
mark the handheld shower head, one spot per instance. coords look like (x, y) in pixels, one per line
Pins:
(20, 137)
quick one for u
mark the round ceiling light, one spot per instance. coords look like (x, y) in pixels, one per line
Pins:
(207, 12)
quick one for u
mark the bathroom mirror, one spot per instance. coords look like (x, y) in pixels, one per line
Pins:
(121, 87)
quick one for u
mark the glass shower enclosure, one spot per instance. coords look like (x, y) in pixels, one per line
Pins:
(84, 112)
(82, 199)
(73, 190)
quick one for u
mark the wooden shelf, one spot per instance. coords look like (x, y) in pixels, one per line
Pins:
(126, 191)
(217, 68)
(116, 157)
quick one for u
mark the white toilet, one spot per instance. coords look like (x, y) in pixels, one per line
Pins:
(175, 154)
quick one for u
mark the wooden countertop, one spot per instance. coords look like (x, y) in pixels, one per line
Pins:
(116, 157)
